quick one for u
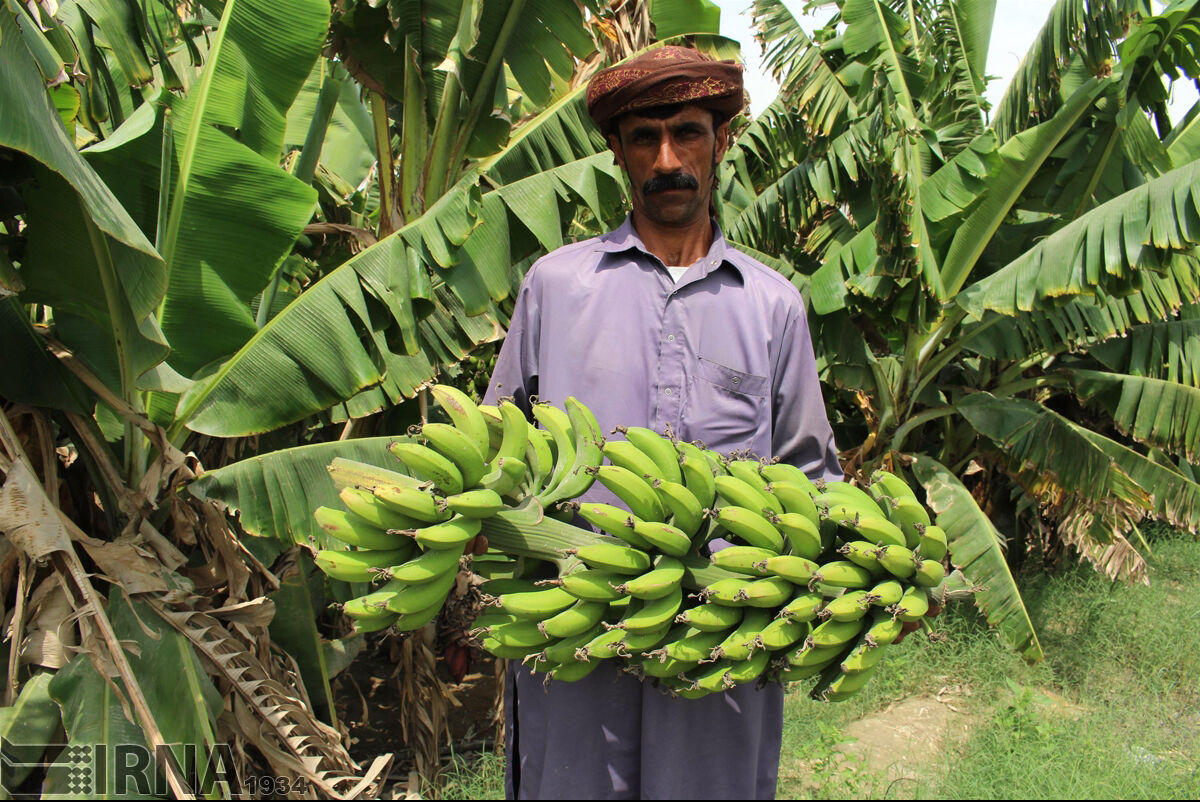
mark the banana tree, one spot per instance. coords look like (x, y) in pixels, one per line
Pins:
(966, 278)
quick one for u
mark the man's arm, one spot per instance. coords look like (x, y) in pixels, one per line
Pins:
(516, 371)
(801, 434)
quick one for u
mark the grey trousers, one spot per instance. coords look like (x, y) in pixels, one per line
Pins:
(611, 736)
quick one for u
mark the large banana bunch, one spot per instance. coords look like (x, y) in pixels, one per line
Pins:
(820, 577)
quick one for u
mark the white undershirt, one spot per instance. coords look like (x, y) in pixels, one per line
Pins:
(677, 272)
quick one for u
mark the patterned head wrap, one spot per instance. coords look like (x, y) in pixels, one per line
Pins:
(662, 77)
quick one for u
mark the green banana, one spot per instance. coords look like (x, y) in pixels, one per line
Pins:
(366, 506)
(682, 504)
(613, 520)
(576, 619)
(573, 671)
(536, 604)
(877, 529)
(849, 607)
(635, 492)
(376, 622)
(748, 471)
(770, 591)
(593, 585)
(912, 606)
(539, 458)
(697, 474)
(495, 426)
(712, 617)
(630, 457)
(659, 448)
(407, 622)
(864, 553)
(411, 502)
(558, 424)
(371, 604)
(666, 575)
(804, 607)
(601, 647)
(776, 472)
(790, 567)
(688, 644)
(429, 465)
(588, 443)
(653, 614)
(563, 651)
(736, 492)
(452, 534)
(864, 499)
(349, 473)
(929, 573)
(780, 634)
(907, 514)
(836, 685)
(887, 592)
(898, 561)
(891, 485)
(802, 535)
(842, 574)
(883, 630)
(932, 542)
(750, 527)
(358, 566)
(749, 669)
(795, 500)
(834, 633)
(482, 502)
(463, 413)
(660, 666)
(506, 475)
(459, 447)
(514, 440)
(425, 567)
(737, 643)
(616, 557)
(349, 528)
(666, 538)
(807, 656)
(414, 599)
(742, 559)
(520, 634)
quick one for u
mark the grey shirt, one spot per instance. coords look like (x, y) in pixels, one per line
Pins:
(722, 356)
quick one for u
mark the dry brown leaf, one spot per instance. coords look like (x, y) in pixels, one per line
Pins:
(276, 718)
(27, 516)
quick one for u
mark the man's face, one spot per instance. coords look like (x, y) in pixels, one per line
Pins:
(670, 162)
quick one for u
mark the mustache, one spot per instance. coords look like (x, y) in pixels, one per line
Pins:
(662, 183)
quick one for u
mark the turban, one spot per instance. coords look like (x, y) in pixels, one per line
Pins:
(662, 77)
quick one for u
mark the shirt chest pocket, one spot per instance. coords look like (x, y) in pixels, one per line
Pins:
(726, 407)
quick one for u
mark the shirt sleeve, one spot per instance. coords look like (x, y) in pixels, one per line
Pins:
(516, 371)
(801, 434)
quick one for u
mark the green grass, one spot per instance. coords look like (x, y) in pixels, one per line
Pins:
(1112, 712)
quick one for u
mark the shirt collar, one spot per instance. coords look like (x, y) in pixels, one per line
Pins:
(625, 237)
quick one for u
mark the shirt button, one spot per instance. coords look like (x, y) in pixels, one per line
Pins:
(670, 338)
(736, 380)
(667, 391)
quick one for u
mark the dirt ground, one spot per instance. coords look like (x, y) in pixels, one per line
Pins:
(897, 743)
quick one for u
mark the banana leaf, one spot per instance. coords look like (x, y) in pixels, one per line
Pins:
(274, 494)
(26, 728)
(1158, 412)
(181, 696)
(1101, 252)
(975, 549)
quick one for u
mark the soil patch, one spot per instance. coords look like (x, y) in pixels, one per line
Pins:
(902, 741)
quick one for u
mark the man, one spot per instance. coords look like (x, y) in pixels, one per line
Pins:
(661, 323)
